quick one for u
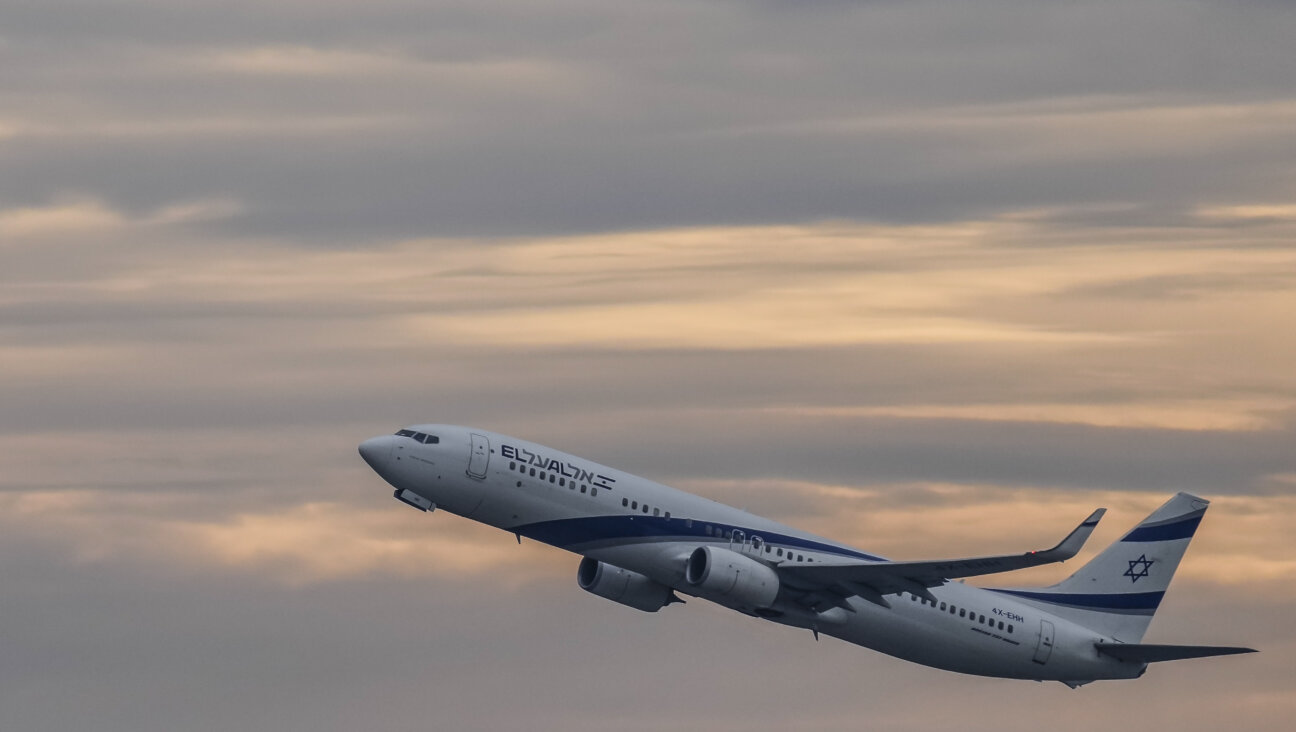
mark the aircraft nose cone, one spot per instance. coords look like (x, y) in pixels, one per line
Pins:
(375, 451)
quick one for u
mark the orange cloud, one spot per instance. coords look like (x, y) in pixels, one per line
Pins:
(1226, 414)
(316, 542)
(76, 216)
(303, 544)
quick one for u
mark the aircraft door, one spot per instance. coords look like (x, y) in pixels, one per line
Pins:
(737, 540)
(1045, 647)
(479, 458)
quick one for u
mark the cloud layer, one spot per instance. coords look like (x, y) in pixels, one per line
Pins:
(928, 279)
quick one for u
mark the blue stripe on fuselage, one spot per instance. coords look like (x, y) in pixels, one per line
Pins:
(572, 533)
(1147, 601)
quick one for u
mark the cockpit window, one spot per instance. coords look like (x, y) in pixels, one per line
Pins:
(422, 437)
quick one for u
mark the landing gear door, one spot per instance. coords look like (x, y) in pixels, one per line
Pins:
(479, 458)
(1045, 647)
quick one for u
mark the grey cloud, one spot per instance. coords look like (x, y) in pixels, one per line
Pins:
(211, 653)
(1108, 128)
(869, 452)
(622, 408)
(661, 128)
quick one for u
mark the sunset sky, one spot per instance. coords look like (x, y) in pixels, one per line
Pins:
(932, 278)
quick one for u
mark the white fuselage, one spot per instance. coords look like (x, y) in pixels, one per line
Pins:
(645, 527)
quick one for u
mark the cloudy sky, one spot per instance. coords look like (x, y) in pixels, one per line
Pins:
(932, 278)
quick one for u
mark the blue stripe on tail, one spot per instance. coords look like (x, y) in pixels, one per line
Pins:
(1179, 529)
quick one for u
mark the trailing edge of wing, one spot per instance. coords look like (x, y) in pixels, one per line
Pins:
(894, 577)
(1151, 653)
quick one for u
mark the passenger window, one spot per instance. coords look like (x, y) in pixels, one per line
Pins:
(512, 466)
(532, 472)
(582, 489)
(1009, 628)
(951, 609)
(645, 508)
(780, 551)
(656, 512)
(668, 515)
(1000, 625)
(542, 475)
(552, 479)
(982, 619)
(625, 501)
(562, 482)
(800, 558)
(962, 612)
(942, 606)
(593, 491)
(634, 504)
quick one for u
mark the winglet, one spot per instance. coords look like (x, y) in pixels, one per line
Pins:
(1071, 545)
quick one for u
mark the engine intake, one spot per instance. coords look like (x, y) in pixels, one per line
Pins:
(623, 586)
(731, 578)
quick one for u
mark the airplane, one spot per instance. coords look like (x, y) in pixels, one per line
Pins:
(643, 544)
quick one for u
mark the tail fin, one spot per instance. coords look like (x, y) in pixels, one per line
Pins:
(1118, 591)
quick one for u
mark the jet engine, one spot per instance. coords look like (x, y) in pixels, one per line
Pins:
(731, 578)
(623, 586)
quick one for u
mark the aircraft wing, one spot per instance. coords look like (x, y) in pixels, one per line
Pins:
(873, 580)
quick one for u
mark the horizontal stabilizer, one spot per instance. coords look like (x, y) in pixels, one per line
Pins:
(1151, 653)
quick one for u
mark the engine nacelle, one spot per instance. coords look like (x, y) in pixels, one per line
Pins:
(623, 586)
(731, 578)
